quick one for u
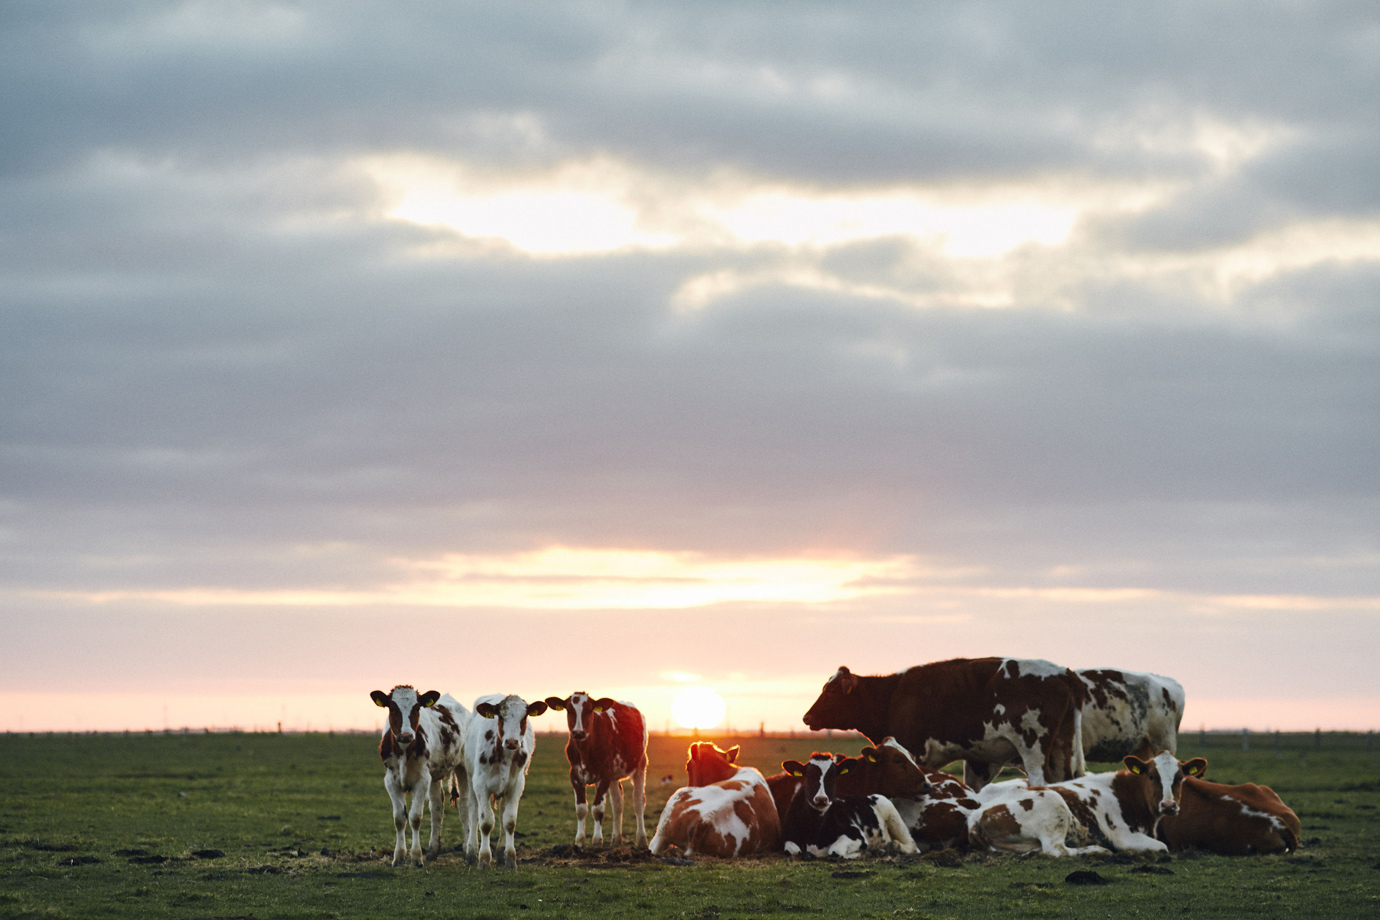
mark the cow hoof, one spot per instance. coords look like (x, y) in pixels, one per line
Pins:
(510, 860)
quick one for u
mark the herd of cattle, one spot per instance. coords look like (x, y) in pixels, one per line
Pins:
(987, 712)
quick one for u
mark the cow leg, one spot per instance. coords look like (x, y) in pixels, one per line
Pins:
(616, 831)
(471, 825)
(510, 813)
(978, 774)
(420, 793)
(459, 794)
(581, 808)
(437, 804)
(398, 796)
(639, 780)
(486, 828)
(601, 794)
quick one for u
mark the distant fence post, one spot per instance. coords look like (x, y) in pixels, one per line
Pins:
(1245, 739)
(1317, 739)
(1202, 736)
(1370, 740)
(1276, 741)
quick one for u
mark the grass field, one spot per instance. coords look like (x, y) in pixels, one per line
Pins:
(298, 826)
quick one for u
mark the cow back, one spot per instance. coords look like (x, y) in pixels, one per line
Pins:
(1233, 820)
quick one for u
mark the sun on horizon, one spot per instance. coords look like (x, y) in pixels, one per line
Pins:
(698, 707)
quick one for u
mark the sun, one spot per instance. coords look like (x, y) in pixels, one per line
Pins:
(698, 707)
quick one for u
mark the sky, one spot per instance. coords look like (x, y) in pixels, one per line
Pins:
(548, 346)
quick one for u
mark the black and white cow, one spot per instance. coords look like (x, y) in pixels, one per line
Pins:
(1129, 712)
(821, 824)
(608, 742)
(499, 744)
(421, 745)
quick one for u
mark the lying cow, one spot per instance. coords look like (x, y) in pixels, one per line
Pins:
(822, 822)
(726, 810)
(985, 711)
(1232, 820)
(934, 805)
(1100, 811)
(421, 746)
(499, 743)
(608, 743)
(1129, 712)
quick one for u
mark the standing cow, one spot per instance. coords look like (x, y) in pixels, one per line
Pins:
(984, 711)
(499, 743)
(421, 745)
(1129, 712)
(608, 743)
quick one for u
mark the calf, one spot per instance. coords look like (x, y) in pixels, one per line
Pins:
(726, 810)
(498, 753)
(1117, 811)
(421, 746)
(1128, 712)
(820, 822)
(1231, 820)
(608, 742)
(934, 805)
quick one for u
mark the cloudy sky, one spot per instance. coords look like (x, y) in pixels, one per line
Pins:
(626, 347)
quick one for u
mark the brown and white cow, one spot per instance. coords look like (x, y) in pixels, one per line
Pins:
(1098, 812)
(1129, 712)
(984, 711)
(726, 810)
(1234, 820)
(499, 743)
(608, 743)
(422, 744)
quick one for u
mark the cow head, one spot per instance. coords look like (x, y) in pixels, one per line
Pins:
(821, 776)
(836, 707)
(708, 764)
(883, 770)
(1161, 780)
(511, 713)
(580, 709)
(404, 705)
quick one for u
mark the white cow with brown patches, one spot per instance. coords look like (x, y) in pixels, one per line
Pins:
(499, 743)
(421, 746)
(1098, 812)
(726, 810)
(1129, 712)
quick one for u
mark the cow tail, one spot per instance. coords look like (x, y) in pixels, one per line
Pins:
(1080, 765)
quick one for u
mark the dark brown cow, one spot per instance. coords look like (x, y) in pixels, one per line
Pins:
(984, 711)
(1231, 820)
(608, 743)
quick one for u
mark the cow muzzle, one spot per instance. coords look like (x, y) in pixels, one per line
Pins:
(579, 734)
(1169, 809)
(510, 743)
(405, 737)
(820, 802)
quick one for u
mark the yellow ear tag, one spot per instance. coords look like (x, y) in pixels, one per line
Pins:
(380, 705)
(793, 773)
(1135, 768)
(598, 708)
(843, 770)
(871, 759)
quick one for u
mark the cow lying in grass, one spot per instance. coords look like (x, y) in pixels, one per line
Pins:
(820, 822)
(934, 805)
(1099, 811)
(1231, 820)
(726, 810)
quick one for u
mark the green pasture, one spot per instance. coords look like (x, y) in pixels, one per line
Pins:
(298, 826)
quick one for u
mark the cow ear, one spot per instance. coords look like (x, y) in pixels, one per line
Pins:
(536, 708)
(793, 767)
(429, 698)
(733, 753)
(487, 710)
(1195, 767)
(380, 699)
(603, 704)
(840, 757)
(1134, 764)
(555, 703)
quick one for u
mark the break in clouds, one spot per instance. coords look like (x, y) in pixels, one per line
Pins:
(305, 303)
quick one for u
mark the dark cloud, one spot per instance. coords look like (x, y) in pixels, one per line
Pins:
(220, 366)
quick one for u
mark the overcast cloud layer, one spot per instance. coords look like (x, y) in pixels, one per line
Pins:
(303, 303)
